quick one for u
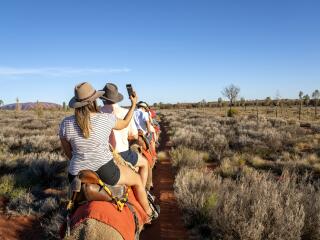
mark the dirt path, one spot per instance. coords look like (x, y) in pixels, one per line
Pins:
(169, 225)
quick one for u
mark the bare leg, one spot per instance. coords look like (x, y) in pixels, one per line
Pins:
(132, 179)
(143, 165)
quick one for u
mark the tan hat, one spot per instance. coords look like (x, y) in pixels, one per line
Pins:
(84, 93)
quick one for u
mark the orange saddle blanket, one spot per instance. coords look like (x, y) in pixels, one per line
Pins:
(108, 213)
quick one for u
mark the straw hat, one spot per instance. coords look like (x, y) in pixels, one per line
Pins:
(111, 93)
(84, 93)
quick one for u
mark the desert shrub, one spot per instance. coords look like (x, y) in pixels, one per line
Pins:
(33, 172)
(52, 223)
(311, 204)
(9, 188)
(231, 166)
(195, 192)
(232, 112)
(185, 157)
(218, 146)
(263, 186)
(256, 206)
(22, 205)
(48, 173)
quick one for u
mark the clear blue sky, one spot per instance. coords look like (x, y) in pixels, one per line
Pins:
(170, 50)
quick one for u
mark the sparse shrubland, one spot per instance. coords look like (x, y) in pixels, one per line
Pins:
(259, 178)
(32, 169)
(238, 177)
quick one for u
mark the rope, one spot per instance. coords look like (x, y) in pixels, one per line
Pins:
(119, 160)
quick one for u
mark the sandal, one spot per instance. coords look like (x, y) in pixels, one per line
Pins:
(155, 213)
(150, 196)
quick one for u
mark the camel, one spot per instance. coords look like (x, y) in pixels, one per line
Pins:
(102, 220)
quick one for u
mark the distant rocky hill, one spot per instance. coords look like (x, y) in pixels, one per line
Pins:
(32, 105)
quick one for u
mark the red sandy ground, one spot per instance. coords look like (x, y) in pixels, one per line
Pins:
(18, 227)
(169, 225)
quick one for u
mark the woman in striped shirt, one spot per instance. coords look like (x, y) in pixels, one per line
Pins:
(85, 140)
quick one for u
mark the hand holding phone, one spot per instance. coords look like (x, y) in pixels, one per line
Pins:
(129, 89)
(132, 94)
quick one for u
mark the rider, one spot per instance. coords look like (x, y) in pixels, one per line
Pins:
(85, 140)
(110, 100)
(143, 123)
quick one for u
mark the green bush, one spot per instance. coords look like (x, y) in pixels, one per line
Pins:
(232, 112)
(9, 189)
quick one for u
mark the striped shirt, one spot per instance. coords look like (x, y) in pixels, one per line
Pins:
(88, 153)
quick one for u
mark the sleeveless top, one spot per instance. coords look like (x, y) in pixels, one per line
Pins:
(93, 152)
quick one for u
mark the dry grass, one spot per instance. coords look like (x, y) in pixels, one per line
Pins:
(266, 183)
(255, 206)
(162, 156)
(31, 162)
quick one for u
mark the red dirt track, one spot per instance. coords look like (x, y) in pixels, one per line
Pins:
(170, 224)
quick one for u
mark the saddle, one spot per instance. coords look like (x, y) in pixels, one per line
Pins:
(87, 186)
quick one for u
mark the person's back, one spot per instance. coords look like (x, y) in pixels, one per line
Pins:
(121, 136)
(140, 118)
(92, 152)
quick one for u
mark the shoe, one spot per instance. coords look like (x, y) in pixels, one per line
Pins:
(150, 196)
(155, 213)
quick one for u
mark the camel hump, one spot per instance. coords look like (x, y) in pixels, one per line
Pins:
(91, 229)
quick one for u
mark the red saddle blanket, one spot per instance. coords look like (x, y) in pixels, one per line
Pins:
(108, 213)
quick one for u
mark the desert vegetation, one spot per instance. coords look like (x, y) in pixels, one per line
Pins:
(32, 167)
(245, 170)
(250, 176)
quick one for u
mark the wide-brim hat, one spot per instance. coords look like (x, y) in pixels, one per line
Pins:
(111, 93)
(84, 94)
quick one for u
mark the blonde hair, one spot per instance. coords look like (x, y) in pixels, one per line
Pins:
(83, 117)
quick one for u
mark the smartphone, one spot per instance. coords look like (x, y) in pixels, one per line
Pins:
(129, 89)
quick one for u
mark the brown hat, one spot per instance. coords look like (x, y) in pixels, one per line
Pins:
(111, 93)
(84, 93)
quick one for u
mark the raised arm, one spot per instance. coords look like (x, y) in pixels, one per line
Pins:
(121, 124)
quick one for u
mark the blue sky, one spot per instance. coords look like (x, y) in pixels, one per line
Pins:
(171, 51)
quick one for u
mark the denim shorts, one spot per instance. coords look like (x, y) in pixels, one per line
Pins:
(130, 156)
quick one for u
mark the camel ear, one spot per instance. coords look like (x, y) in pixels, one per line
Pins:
(88, 176)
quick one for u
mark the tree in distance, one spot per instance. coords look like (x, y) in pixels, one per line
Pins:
(315, 96)
(231, 92)
(300, 105)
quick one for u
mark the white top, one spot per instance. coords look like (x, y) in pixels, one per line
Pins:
(93, 152)
(121, 136)
(141, 118)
